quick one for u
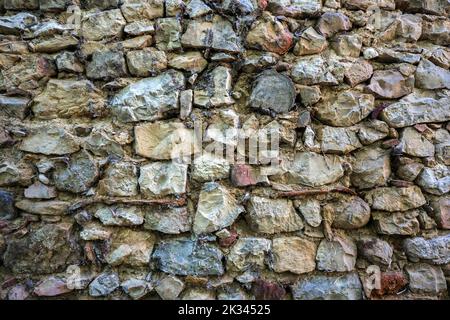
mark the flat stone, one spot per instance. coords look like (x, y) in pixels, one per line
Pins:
(50, 141)
(347, 45)
(409, 27)
(331, 23)
(135, 288)
(438, 32)
(430, 76)
(338, 255)
(415, 144)
(350, 212)
(100, 4)
(337, 140)
(104, 284)
(209, 167)
(165, 140)
(310, 210)
(198, 294)
(18, 23)
(424, 278)
(168, 34)
(142, 10)
(248, 253)
(149, 99)
(168, 220)
(54, 44)
(387, 55)
(313, 70)
(435, 250)
(15, 174)
(192, 61)
(345, 108)
(313, 169)
(366, 4)
(217, 209)
(293, 254)
(217, 34)
(371, 168)
(68, 62)
(416, 108)
(295, 8)
(104, 142)
(396, 223)
(441, 58)
(29, 255)
(310, 42)
(21, 4)
(53, 207)
(273, 92)
(323, 287)
(395, 199)
(358, 72)
(163, 178)
(390, 84)
(120, 215)
(102, 25)
(7, 209)
(197, 8)
(67, 99)
(78, 175)
(188, 257)
(169, 288)
(131, 248)
(14, 107)
(106, 65)
(39, 190)
(51, 287)
(139, 28)
(375, 250)
(214, 88)
(272, 216)
(269, 34)
(94, 231)
(372, 131)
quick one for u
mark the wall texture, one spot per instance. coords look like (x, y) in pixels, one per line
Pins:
(96, 98)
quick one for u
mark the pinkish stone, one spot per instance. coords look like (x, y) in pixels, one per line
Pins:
(18, 292)
(51, 287)
(243, 175)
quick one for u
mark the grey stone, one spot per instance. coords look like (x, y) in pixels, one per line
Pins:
(197, 8)
(146, 62)
(102, 25)
(50, 141)
(435, 250)
(168, 220)
(435, 180)
(390, 84)
(148, 99)
(337, 140)
(350, 212)
(395, 199)
(338, 255)
(214, 88)
(169, 288)
(372, 130)
(310, 210)
(209, 167)
(424, 278)
(106, 65)
(163, 178)
(136, 288)
(295, 8)
(375, 250)
(416, 144)
(430, 76)
(7, 209)
(17, 23)
(371, 168)
(104, 284)
(322, 287)
(39, 190)
(313, 70)
(248, 253)
(396, 223)
(120, 215)
(14, 107)
(188, 257)
(168, 34)
(134, 10)
(119, 180)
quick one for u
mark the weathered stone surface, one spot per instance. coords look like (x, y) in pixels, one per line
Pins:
(347, 45)
(164, 140)
(94, 231)
(366, 4)
(21, 4)
(322, 287)
(358, 72)
(163, 178)
(248, 253)
(217, 208)
(416, 144)
(350, 212)
(273, 92)
(12, 174)
(106, 65)
(271, 35)
(47, 248)
(371, 168)
(51, 287)
(310, 210)
(217, 34)
(396, 223)
(293, 254)
(142, 10)
(430, 76)
(131, 248)
(441, 209)
(214, 88)
(7, 210)
(192, 61)
(68, 98)
(395, 199)
(337, 140)
(416, 108)
(169, 288)
(104, 284)
(102, 25)
(68, 62)
(372, 130)
(168, 220)
(295, 8)
(375, 250)
(434, 250)
(424, 278)
(120, 215)
(272, 216)
(14, 107)
(312, 169)
(188, 257)
(209, 167)
(331, 23)
(119, 180)
(437, 32)
(390, 84)
(313, 70)
(78, 175)
(435, 180)
(53, 207)
(168, 34)
(346, 108)
(197, 8)
(310, 42)
(148, 99)
(17, 23)
(338, 255)
(54, 44)
(50, 141)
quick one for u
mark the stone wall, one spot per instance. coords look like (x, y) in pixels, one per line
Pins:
(96, 98)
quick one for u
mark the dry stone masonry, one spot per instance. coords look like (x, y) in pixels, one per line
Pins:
(102, 104)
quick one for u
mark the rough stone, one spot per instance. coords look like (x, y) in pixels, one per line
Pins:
(338, 255)
(131, 248)
(434, 250)
(396, 223)
(312, 70)
(248, 253)
(395, 199)
(7, 209)
(331, 23)
(168, 34)
(104, 284)
(310, 210)
(51, 287)
(375, 250)
(169, 288)
(168, 220)
(350, 212)
(272, 216)
(119, 180)
(371, 168)
(50, 141)
(347, 45)
(214, 88)
(209, 167)
(358, 72)
(310, 42)
(18, 23)
(372, 131)
(390, 84)
(163, 178)
(424, 278)
(39, 190)
(295, 8)
(191, 61)
(293, 254)
(120, 215)
(14, 107)
(134, 10)
(188, 257)
(53, 207)
(102, 25)
(106, 65)
(135, 288)
(430, 76)
(337, 140)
